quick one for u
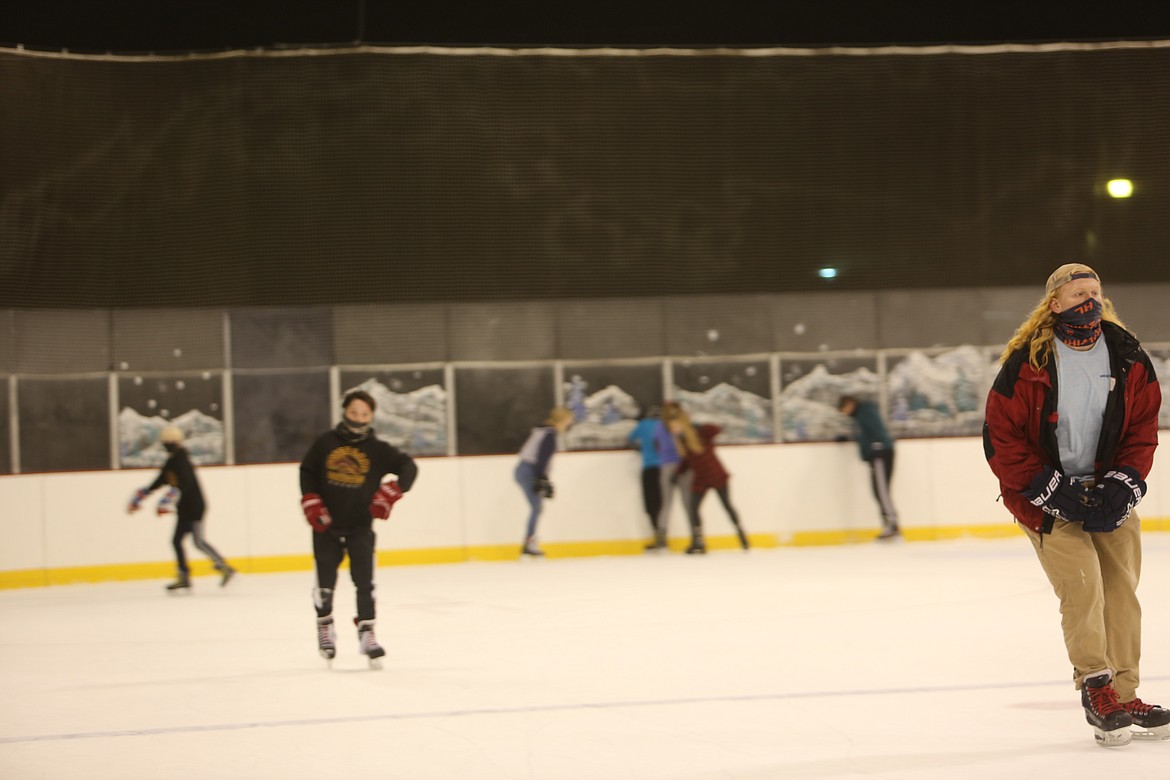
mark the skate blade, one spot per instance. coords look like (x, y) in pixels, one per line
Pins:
(1113, 739)
(1155, 734)
(375, 664)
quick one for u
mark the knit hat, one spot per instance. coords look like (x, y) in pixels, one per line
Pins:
(171, 435)
(1066, 273)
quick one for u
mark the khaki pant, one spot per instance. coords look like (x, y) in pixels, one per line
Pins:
(1095, 576)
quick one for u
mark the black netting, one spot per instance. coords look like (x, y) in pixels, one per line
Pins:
(383, 176)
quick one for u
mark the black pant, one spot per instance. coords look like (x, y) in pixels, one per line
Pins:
(652, 494)
(881, 472)
(692, 504)
(329, 550)
(192, 525)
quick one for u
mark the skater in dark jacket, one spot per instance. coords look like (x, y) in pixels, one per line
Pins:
(342, 492)
(1070, 430)
(178, 474)
(877, 450)
(702, 470)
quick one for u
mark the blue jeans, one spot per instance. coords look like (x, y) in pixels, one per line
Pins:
(526, 478)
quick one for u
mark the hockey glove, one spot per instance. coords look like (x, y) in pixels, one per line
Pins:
(166, 504)
(1063, 498)
(1120, 491)
(136, 502)
(384, 500)
(543, 487)
(316, 512)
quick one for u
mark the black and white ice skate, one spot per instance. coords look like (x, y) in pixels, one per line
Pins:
(1104, 712)
(1150, 721)
(181, 585)
(326, 639)
(368, 643)
(226, 575)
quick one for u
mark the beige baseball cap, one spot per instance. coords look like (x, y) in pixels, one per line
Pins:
(1066, 273)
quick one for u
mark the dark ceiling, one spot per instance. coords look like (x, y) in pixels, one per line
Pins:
(175, 25)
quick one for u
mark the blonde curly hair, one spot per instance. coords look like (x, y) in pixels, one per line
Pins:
(688, 437)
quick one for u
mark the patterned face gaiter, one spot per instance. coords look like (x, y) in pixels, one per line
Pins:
(1080, 326)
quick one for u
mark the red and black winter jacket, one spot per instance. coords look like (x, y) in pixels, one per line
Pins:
(1019, 427)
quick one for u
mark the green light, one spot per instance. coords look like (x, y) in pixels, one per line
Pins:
(827, 273)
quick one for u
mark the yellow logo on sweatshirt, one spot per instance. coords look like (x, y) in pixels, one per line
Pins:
(347, 466)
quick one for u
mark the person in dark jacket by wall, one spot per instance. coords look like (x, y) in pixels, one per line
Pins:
(342, 492)
(1070, 429)
(184, 497)
(877, 450)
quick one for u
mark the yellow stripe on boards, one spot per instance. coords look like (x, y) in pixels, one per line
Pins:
(34, 578)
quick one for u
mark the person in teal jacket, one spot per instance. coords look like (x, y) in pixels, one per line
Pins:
(644, 437)
(877, 449)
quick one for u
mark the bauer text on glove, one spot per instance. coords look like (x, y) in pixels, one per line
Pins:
(1120, 490)
(1062, 497)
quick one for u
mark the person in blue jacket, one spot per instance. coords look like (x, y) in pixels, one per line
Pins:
(533, 469)
(644, 437)
(877, 449)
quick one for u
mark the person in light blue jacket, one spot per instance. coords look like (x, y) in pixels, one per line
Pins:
(532, 472)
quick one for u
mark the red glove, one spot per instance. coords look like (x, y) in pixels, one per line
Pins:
(166, 504)
(315, 512)
(384, 500)
(136, 502)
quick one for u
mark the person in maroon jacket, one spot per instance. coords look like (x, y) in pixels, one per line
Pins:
(706, 472)
(1070, 430)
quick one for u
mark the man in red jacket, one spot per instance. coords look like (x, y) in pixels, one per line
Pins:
(1070, 431)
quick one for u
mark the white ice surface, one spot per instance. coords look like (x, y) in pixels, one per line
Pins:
(911, 660)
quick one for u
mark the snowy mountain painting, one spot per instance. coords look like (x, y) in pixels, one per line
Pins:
(139, 445)
(415, 422)
(808, 406)
(745, 417)
(601, 420)
(939, 396)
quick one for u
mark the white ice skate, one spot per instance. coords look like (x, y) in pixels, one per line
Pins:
(326, 639)
(368, 643)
